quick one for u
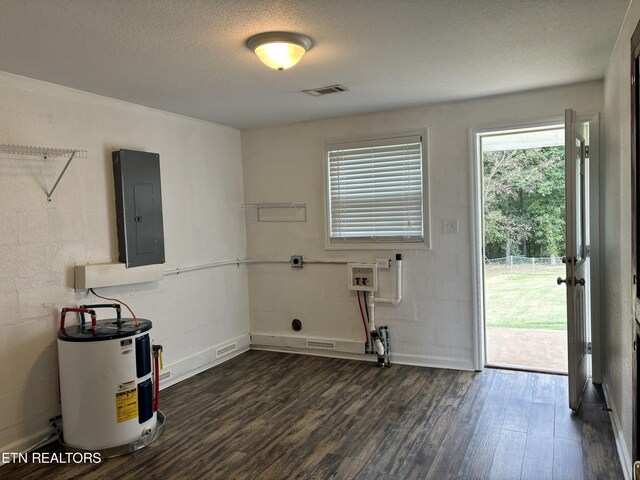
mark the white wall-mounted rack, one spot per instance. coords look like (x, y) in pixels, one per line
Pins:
(270, 206)
(45, 153)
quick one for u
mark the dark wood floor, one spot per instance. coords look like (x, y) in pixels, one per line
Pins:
(274, 415)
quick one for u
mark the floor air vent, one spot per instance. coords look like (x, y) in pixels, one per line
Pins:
(323, 344)
(316, 92)
(227, 349)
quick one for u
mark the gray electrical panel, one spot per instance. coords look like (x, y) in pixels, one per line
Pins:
(138, 207)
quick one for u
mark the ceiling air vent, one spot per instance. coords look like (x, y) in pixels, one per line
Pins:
(316, 92)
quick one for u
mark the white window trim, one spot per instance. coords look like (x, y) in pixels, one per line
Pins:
(426, 212)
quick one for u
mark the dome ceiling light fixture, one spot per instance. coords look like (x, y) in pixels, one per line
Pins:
(279, 50)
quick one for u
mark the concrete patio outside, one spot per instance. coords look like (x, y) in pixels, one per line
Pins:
(535, 349)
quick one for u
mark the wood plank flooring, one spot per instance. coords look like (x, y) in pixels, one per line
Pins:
(267, 415)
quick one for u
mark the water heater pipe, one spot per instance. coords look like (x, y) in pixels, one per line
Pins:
(63, 314)
(157, 366)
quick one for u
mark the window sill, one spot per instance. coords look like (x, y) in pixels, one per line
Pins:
(377, 246)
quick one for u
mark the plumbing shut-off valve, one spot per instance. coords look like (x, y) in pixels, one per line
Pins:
(384, 359)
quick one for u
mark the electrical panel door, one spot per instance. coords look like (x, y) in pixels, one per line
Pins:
(138, 207)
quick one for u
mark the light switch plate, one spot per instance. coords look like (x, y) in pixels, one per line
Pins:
(450, 226)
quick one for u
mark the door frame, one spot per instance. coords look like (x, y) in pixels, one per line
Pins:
(477, 235)
(635, 228)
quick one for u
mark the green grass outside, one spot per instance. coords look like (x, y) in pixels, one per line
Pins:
(525, 301)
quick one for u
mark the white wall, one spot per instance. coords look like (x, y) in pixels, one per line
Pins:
(39, 242)
(616, 232)
(433, 325)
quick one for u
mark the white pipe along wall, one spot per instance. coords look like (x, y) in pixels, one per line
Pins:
(398, 292)
(392, 301)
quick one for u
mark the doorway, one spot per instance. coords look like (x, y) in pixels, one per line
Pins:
(581, 282)
(523, 219)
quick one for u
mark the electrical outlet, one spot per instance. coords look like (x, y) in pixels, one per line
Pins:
(450, 226)
(383, 263)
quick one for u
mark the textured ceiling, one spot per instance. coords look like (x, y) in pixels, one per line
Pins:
(189, 56)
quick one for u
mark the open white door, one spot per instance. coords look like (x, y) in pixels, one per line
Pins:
(576, 260)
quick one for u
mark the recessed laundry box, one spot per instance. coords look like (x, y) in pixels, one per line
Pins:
(108, 384)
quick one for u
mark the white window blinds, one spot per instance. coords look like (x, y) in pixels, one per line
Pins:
(375, 191)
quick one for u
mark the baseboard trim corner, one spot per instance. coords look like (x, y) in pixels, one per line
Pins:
(351, 350)
(24, 444)
(623, 451)
(204, 360)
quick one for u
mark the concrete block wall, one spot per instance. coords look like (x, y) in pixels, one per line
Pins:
(434, 325)
(40, 242)
(615, 184)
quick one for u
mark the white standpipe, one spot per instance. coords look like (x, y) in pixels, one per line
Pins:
(398, 296)
(372, 325)
(392, 301)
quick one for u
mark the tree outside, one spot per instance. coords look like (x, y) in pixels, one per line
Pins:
(524, 207)
(524, 230)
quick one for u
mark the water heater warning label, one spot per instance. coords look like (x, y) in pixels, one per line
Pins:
(126, 404)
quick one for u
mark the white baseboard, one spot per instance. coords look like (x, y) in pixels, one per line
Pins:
(316, 353)
(432, 361)
(203, 360)
(24, 444)
(623, 451)
(351, 350)
(299, 343)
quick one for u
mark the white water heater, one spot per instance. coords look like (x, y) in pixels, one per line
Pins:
(107, 384)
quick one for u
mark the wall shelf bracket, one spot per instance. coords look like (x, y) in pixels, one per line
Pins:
(45, 153)
(296, 206)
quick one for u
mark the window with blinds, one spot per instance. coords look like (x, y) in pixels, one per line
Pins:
(375, 191)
